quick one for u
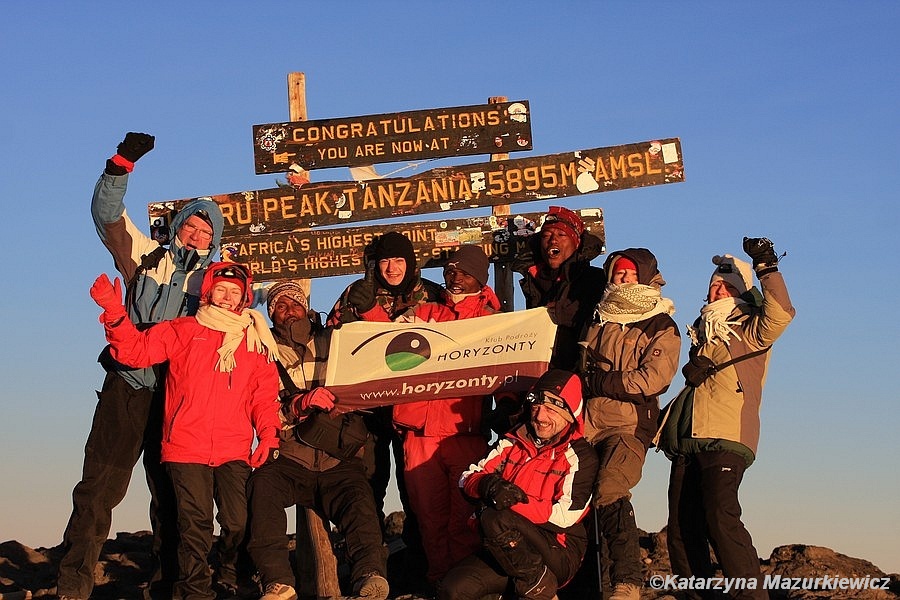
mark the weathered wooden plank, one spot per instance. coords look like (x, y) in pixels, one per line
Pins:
(312, 253)
(568, 174)
(393, 137)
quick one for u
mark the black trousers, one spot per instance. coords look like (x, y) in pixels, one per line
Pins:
(341, 493)
(482, 574)
(127, 422)
(196, 488)
(703, 510)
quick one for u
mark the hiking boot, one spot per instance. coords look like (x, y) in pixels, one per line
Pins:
(372, 587)
(279, 591)
(626, 591)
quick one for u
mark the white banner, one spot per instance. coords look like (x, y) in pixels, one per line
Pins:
(375, 364)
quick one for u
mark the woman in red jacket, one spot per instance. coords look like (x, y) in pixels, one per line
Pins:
(222, 385)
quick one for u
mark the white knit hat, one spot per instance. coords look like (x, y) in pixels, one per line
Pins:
(733, 271)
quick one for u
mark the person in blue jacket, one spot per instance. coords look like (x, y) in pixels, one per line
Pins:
(163, 282)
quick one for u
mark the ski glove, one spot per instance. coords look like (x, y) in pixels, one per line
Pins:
(129, 150)
(500, 493)
(266, 452)
(108, 296)
(762, 252)
(319, 398)
(362, 293)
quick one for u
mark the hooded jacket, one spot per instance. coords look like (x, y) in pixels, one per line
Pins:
(162, 292)
(558, 477)
(722, 413)
(638, 359)
(448, 416)
(210, 415)
(571, 293)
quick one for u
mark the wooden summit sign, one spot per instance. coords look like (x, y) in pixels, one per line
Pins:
(495, 183)
(355, 141)
(328, 252)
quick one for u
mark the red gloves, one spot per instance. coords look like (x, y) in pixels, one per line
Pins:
(266, 451)
(108, 296)
(319, 398)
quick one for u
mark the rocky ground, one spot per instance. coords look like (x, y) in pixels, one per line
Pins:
(124, 565)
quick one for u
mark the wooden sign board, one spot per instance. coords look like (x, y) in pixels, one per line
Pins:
(315, 253)
(413, 135)
(568, 174)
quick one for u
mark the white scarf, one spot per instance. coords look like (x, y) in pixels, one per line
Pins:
(715, 324)
(233, 325)
(631, 302)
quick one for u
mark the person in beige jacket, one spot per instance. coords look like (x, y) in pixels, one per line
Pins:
(711, 429)
(629, 355)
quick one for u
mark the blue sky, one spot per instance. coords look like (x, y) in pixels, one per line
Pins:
(787, 114)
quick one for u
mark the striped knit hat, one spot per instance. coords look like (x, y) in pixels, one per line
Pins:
(291, 289)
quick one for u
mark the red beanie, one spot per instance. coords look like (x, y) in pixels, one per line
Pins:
(565, 221)
(623, 262)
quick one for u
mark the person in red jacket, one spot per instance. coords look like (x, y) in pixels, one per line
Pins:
(535, 488)
(441, 438)
(222, 385)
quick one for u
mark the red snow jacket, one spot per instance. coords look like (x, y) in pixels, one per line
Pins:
(557, 477)
(210, 415)
(449, 416)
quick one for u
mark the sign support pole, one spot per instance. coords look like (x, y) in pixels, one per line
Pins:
(312, 539)
(503, 275)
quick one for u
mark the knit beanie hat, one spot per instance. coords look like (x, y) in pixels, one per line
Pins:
(565, 221)
(231, 272)
(396, 245)
(289, 289)
(623, 262)
(559, 391)
(472, 260)
(733, 271)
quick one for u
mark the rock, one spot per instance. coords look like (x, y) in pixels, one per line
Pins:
(124, 567)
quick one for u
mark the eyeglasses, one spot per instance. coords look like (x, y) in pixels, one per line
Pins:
(545, 397)
(189, 229)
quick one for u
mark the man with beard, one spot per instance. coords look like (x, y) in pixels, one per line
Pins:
(320, 464)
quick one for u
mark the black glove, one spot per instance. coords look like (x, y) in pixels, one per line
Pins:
(762, 252)
(592, 382)
(362, 293)
(499, 493)
(134, 146)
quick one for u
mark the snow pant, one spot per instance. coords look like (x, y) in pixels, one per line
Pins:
(621, 463)
(704, 509)
(127, 422)
(342, 494)
(196, 488)
(433, 466)
(516, 553)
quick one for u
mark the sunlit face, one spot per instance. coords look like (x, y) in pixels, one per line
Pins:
(392, 270)
(195, 233)
(458, 281)
(286, 311)
(721, 289)
(227, 295)
(546, 422)
(556, 247)
(621, 276)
